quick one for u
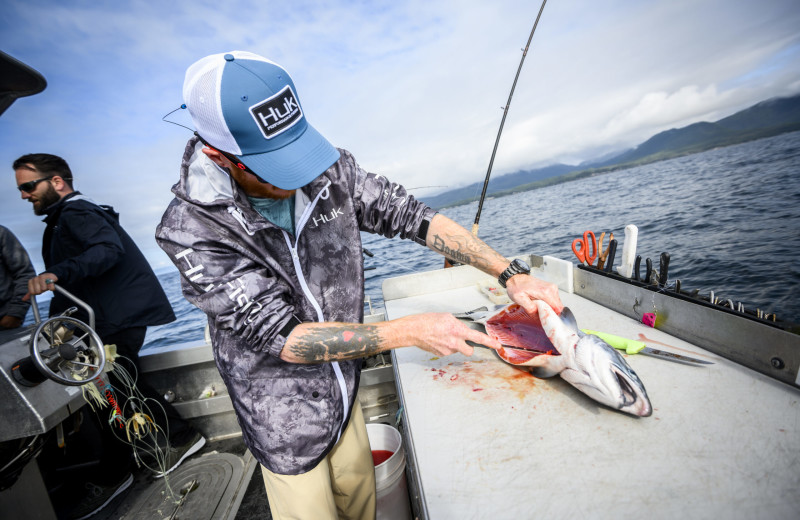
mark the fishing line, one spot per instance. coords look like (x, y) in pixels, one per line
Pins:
(424, 187)
(398, 264)
(503, 121)
(135, 403)
(133, 423)
(136, 407)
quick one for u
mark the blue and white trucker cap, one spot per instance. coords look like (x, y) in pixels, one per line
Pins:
(247, 106)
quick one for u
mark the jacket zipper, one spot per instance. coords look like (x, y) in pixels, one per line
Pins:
(236, 213)
(320, 317)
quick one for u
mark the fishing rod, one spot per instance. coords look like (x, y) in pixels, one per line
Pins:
(503, 121)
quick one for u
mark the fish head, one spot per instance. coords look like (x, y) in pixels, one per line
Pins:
(602, 373)
(592, 366)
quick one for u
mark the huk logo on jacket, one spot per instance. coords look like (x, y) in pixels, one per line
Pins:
(278, 113)
(324, 218)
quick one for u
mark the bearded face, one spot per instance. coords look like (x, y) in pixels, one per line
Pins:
(43, 197)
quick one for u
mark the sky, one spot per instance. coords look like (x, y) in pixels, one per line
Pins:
(414, 89)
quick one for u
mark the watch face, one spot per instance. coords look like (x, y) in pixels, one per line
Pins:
(522, 266)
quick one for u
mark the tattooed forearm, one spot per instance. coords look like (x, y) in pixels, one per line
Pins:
(335, 342)
(465, 249)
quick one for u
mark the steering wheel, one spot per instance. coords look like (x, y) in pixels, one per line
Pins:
(65, 349)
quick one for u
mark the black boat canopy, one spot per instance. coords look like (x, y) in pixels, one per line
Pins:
(17, 80)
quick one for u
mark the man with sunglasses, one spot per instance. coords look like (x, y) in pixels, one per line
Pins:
(265, 229)
(86, 251)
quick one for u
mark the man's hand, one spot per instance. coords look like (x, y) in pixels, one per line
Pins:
(442, 334)
(10, 322)
(43, 282)
(523, 289)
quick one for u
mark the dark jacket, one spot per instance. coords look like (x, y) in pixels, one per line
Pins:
(96, 260)
(251, 278)
(15, 271)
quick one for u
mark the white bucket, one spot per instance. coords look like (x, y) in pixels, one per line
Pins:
(390, 475)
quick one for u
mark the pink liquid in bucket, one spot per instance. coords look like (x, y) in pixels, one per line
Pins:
(389, 458)
(381, 456)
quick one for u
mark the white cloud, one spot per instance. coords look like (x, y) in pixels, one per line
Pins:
(414, 88)
(657, 111)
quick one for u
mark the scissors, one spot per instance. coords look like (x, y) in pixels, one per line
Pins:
(582, 252)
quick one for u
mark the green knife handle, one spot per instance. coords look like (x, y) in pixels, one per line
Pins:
(630, 346)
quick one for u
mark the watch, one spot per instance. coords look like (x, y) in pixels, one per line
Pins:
(517, 266)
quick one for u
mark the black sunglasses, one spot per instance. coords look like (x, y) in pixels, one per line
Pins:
(235, 160)
(29, 186)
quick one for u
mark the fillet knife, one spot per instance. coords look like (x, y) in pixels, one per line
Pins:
(631, 346)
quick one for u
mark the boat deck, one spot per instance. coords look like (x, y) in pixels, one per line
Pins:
(485, 439)
(217, 465)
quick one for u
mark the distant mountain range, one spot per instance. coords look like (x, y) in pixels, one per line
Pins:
(768, 118)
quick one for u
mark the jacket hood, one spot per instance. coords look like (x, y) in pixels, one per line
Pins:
(202, 181)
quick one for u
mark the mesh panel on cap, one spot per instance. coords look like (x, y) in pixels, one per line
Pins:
(202, 100)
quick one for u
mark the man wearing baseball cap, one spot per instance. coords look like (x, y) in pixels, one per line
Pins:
(265, 229)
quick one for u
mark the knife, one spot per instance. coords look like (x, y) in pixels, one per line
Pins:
(631, 346)
(636, 265)
(473, 344)
(612, 252)
(663, 269)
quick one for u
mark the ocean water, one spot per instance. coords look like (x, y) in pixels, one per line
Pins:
(729, 218)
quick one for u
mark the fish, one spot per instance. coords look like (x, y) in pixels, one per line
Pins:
(556, 346)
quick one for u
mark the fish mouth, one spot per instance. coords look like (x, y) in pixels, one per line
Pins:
(634, 397)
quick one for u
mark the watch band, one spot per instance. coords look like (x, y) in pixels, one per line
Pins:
(517, 266)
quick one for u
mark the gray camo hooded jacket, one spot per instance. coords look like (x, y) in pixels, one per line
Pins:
(15, 271)
(252, 279)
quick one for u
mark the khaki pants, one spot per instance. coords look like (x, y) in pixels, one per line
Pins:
(341, 486)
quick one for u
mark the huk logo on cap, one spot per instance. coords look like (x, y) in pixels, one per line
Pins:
(278, 113)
